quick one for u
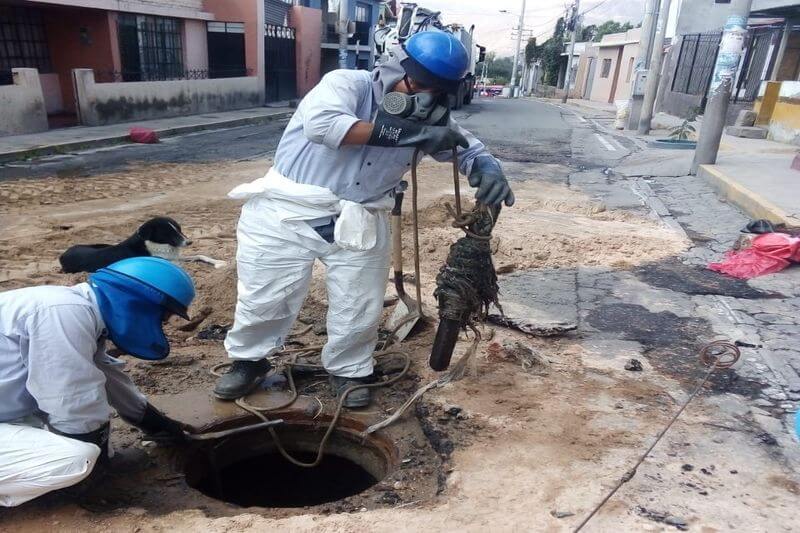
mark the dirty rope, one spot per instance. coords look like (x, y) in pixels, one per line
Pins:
(465, 286)
(718, 354)
(467, 283)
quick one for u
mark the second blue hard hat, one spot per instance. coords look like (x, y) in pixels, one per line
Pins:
(437, 59)
(134, 296)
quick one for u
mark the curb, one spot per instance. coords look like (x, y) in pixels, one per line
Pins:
(751, 203)
(99, 142)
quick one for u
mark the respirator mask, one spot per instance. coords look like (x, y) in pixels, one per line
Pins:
(429, 108)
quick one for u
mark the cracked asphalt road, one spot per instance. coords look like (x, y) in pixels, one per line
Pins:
(662, 312)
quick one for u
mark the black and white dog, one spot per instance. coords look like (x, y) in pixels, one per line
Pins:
(158, 237)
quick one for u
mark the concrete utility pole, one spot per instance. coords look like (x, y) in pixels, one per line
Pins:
(643, 59)
(575, 26)
(343, 34)
(516, 54)
(719, 92)
(656, 57)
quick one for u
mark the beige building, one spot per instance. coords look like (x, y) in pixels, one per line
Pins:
(614, 66)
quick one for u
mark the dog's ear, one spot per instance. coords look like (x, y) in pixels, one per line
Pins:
(147, 230)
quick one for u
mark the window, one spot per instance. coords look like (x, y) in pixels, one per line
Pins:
(606, 71)
(630, 70)
(226, 55)
(22, 41)
(362, 13)
(363, 19)
(151, 48)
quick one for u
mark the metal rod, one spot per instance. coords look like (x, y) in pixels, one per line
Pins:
(215, 435)
(456, 184)
(415, 218)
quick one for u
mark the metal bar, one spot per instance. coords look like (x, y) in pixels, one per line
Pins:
(215, 435)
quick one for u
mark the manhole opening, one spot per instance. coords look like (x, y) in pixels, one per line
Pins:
(247, 470)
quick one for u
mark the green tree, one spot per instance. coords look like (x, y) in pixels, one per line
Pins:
(610, 26)
(588, 33)
(532, 51)
(498, 67)
(550, 52)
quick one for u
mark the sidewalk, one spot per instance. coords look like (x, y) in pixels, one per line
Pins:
(18, 147)
(756, 176)
(753, 174)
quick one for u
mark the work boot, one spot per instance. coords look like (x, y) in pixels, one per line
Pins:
(356, 399)
(243, 377)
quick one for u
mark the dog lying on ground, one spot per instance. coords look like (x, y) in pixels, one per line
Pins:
(158, 237)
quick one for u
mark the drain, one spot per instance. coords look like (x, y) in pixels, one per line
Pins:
(247, 470)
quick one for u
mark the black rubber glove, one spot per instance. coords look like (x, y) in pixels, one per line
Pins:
(160, 428)
(492, 185)
(391, 131)
(98, 437)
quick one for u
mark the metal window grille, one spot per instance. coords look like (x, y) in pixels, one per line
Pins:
(757, 63)
(696, 63)
(151, 47)
(23, 43)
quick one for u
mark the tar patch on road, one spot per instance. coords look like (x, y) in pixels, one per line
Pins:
(671, 343)
(551, 151)
(693, 280)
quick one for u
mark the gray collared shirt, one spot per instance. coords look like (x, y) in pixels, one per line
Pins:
(53, 361)
(311, 150)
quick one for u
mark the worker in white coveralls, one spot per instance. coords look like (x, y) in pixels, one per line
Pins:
(327, 197)
(58, 385)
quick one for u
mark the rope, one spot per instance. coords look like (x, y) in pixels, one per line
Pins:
(259, 411)
(727, 355)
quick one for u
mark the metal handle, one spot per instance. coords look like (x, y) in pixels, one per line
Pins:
(397, 244)
(214, 435)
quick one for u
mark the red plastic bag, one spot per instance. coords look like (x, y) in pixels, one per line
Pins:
(769, 253)
(143, 135)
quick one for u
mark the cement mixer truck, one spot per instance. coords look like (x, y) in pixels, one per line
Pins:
(395, 27)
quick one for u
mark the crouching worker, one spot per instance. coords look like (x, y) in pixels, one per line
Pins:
(58, 385)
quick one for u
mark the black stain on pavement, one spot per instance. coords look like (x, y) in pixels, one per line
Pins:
(671, 344)
(693, 280)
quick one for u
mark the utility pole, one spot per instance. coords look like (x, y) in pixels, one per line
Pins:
(343, 34)
(643, 61)
(516, 54)
(719, 92)
(575, 26)
(654, 76)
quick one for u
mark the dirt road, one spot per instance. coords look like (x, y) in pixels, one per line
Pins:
(505, 449)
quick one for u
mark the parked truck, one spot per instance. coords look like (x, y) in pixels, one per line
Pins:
(394, 28)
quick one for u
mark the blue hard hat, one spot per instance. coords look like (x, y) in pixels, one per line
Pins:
(436, 58)
(133, 296)
(169, 279)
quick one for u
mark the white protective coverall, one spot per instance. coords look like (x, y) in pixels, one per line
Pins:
(54, 371)
(314, 180)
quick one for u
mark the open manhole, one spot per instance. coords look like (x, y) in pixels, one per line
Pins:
(247, 469)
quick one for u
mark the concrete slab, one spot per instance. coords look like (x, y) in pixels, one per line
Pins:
(655, 162)
(16, 147)
(746, 132)
(540, 302)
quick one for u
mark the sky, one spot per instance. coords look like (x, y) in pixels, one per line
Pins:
(493, 29)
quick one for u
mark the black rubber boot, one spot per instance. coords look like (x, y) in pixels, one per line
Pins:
(243, 377)
(356, 399)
